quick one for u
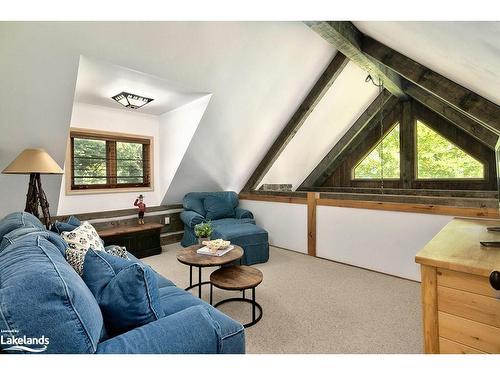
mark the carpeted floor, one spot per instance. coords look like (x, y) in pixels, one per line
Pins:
(313, 305)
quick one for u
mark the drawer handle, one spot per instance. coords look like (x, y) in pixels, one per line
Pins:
(495, 280)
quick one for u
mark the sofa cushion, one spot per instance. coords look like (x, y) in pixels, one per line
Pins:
(174, 300)
(19, 234)
(194, 201)
(241, 234)
(126, 291)
(217, 208)
(17, 220)
(41, 295)
(66, 226)
(231, 221)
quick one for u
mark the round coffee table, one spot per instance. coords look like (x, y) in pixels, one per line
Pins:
(238, 278)
(188, 256)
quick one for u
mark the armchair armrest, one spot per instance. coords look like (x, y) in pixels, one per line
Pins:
(190, 331)
(241, 213)
(191, 218)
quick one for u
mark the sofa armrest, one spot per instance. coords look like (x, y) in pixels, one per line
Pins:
(241, 213)
(191, 331)
(191, 218)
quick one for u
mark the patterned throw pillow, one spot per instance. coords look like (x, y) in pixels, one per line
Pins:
(76, 258)
(119, 251)
(79, 241)
(83, 238)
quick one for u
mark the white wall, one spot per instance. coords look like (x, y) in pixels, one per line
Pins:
(341, 106)
(285, 222)
(177, 128)
(95, 117)
(383, 241)
(258, 72)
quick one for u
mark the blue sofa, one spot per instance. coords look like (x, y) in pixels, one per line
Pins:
(239, 227)
(43, 298)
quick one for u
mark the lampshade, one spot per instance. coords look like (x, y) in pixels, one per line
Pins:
(33, 160)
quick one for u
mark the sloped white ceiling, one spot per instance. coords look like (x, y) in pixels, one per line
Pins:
(98, 82)
(341, 106)
(258, 73)
(468, 53)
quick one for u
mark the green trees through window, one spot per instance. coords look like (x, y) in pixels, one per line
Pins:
(109, 163)
(386, 150)
(89, 161)
(438, 158)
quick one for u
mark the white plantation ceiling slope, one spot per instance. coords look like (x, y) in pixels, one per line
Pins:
(468, 53)
(344, 102)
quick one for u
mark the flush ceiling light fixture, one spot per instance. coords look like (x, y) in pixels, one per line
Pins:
(132, 101)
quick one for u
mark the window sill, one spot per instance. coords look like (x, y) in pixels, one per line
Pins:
(108, 191)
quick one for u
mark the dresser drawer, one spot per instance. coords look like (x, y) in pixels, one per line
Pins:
(452, 347)
(467, 282)
(469, 305)
(475, 335)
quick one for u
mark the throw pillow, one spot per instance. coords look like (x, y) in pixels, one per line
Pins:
(126, 291)
(65, 226)
(217, 208)
(83, 238)
(79, 241)
(76, 258)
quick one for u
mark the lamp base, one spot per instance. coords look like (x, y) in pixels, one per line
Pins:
(36, 198)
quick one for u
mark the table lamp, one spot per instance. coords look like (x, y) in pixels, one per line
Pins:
(35, 161)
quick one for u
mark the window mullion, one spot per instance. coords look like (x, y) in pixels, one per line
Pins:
(111, 163)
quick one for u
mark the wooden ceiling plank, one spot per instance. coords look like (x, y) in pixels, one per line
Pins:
(344, 36)
(470, 126)
(462, 99)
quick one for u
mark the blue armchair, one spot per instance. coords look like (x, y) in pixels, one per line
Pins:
(238, 226)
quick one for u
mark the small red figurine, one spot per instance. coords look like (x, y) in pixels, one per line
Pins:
(139, 203)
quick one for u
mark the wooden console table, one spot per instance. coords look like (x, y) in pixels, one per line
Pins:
(461, 309)
(140, 240)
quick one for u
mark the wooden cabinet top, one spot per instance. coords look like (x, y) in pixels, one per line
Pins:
(456, 247)
(125, 229)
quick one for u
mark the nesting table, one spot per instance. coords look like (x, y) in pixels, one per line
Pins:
(238, 278)
(191, 258)
(232, 277)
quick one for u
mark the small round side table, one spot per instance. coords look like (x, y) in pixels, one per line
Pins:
(238, 278)
(190, 257)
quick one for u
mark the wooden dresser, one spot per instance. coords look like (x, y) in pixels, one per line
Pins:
(461, 309)
(140, 240)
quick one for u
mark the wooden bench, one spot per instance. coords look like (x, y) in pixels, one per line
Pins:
(140, 240)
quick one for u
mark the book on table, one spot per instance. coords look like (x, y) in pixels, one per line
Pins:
(206, 251)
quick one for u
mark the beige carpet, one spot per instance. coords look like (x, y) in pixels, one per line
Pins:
(313, 305)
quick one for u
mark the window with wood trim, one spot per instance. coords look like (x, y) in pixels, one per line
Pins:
(109, 161)
(383, 161)
(439, 158)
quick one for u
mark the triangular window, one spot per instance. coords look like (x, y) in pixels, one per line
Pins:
(438, 158)
(383, 160)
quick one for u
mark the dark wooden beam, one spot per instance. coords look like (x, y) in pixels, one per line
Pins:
(326, 80)
(471, 126)
(344, 36)
(324, 168)
(407, 145)
(466, 101)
